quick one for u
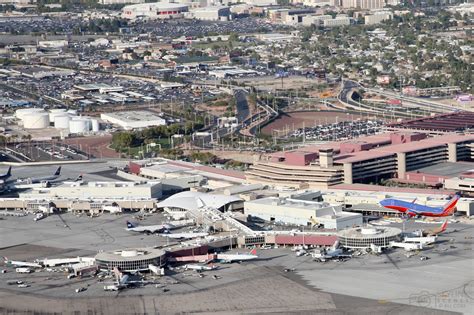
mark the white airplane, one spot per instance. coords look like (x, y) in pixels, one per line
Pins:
(122, 281)
(200, 267)
(230, 258)
(38, 180)
(18, 263)
(150, 229)
(184, 235)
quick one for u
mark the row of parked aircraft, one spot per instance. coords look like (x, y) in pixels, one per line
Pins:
(163, 230)
(31, 182)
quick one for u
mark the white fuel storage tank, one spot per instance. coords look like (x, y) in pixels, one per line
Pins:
(79, 125)
(62, 121)
(20, 113)
(95, 125)
(56, 112)
(36, 120)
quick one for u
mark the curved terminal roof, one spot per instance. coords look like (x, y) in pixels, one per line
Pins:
(369, 232)
(130, 254)
(192, 200)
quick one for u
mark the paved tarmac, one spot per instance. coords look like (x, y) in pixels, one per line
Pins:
(390, 283)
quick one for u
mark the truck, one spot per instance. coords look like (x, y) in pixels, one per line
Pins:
(23, 270)
(112, 287)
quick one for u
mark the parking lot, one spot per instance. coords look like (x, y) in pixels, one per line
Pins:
(340, 131)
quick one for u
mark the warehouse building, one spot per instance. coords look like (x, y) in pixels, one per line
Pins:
(129, 120)
(33, 203)
(213, 13)
(464, 183)
(153, 11)
(301, 212)
(181, 175)
(98, 190)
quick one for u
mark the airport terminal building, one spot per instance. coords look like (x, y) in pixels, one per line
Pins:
(301, 212)
(131, 260)
(365, 237)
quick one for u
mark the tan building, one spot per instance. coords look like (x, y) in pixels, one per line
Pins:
(365, 160)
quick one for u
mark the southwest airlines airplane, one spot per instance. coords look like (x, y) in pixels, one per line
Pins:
(413, 209)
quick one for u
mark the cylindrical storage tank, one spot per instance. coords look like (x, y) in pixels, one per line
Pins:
(95, 125)
(36, 120)
(73, 112)
(56, 112)
(78, 125)
(62, 122)
(20, 113)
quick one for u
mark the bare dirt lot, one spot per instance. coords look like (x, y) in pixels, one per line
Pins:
(96, 146)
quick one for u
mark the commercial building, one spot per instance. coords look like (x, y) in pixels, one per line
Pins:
(213, 13)
(364, 160)
(285, 238)
(363, 4)
(101, 190)
(131, 260)
(39, 73)
(377, 17)
(365, 237)
(153, 11)
(464, 183)
(32, 203)
(337, 21)
(263, 3)
(133, 119)
(180, 175)
(301, 212)
(317, 20)
(107, 2)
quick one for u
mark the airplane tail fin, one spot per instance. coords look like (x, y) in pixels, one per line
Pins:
(444, 226)
(78, 178)
(253, 252)
(448, 208)
(117, 274)
(130, 225)
(9, 172)
(58, 171)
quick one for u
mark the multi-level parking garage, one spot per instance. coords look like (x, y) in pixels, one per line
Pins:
(452, 122)
(368, 159)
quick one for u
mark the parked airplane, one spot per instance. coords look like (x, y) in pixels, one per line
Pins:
(122, 281)
(331, 253)
(37, 180)
(18, 263)
(150, 229)
(6, 175)
(413, 209)
(436, 231)
(200, 268)
(230, 258)
(184, 235)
